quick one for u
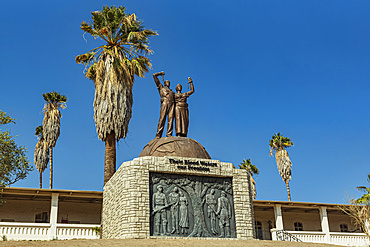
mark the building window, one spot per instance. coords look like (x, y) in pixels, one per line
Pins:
(41, 217)
(298, 226)
(343, 227)
(258, 229)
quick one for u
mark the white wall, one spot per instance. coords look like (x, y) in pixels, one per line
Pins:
(23, 210)
(336, 220)
(310, 221)
(85, 213)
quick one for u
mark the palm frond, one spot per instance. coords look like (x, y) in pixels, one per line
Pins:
(41, 156)
(86, 58)
(54, 97)
(247, 165)
(39, 131)
(91, 72)
(365, 198)
(278, 142)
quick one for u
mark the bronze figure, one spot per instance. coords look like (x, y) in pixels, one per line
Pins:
(167, 105)
(181, 109)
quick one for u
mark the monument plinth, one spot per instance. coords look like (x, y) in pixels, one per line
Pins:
(174, 188)
(197, 198)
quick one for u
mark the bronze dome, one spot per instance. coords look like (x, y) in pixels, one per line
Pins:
(175, 146)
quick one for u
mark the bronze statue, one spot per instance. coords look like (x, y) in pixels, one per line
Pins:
(181, 109)
(167, 105)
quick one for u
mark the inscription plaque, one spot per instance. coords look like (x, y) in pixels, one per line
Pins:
(191, 206)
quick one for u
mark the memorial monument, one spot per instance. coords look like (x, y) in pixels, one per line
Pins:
(174, 188)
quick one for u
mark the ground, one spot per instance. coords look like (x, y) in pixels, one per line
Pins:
(161, 242)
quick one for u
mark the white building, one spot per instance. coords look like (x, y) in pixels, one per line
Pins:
(42, 214)
(307, 222)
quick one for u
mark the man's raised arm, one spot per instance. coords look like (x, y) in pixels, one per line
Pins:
(156, 80)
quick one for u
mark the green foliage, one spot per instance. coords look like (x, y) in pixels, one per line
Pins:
(247, 165)
(54, 97)
(126, 41)
(365, 199)
(279, 142)
(110, 18)
(5, 119)
(39, 131)
(97, 230)
(14, 164)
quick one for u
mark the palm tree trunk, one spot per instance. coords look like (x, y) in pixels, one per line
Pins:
(51, 168)
(288, 190)
(40, 180)
(110, 157)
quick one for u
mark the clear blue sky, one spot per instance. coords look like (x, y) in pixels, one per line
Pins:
(301, 68)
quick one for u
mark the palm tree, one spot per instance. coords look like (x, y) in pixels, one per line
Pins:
(247, 165)
(41, 156)
(365, 199)
(278, 143)
(252, 169)
(51, 124)
(112, 66)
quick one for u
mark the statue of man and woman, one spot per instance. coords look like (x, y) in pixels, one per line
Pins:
(173, 105)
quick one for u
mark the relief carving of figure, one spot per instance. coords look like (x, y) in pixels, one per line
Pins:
(184, 220)
(181, 109)
(167, 105)
(159, 211)
(224, 212)
(211, 209)
(173, 197)
(193, 207)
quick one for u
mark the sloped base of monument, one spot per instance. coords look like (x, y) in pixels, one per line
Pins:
(175, 146)
(178, 197)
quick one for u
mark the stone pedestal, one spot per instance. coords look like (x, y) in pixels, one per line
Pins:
(132, 210)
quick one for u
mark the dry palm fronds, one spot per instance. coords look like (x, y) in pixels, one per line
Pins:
(51, 123)
(113, 100)
(284, 164)
(41, 157)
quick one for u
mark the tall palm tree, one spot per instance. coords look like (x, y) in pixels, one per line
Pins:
(112, 66)
(51, 124)
(41, 157)
(278, 143)
(252, 169)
